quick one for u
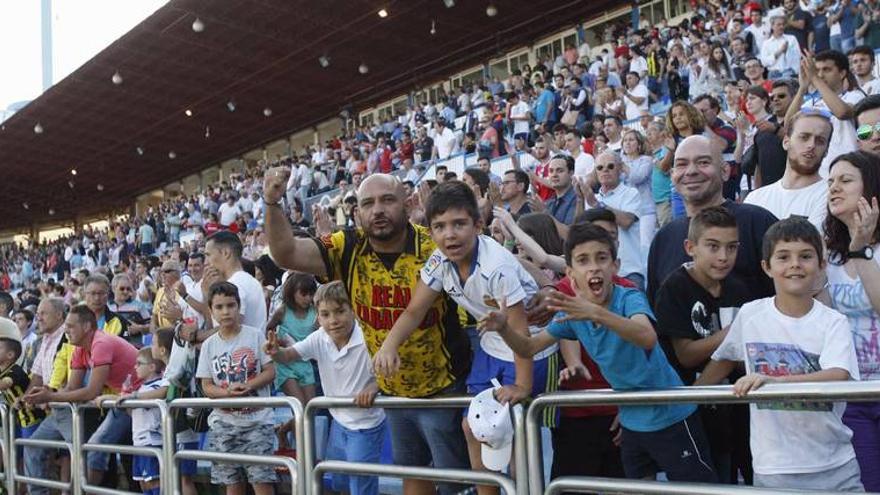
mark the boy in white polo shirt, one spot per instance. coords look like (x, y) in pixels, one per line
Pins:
(479, 275)
(356, 435)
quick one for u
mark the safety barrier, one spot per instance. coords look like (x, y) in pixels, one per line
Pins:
(854, 391)
(459, 402)
(306, 474)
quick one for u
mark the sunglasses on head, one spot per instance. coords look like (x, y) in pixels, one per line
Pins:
(864, 132)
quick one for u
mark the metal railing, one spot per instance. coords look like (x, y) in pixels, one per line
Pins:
(854, 391)
(11, 443)
(520, 462)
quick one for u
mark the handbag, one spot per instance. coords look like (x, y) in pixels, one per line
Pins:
(570, 117)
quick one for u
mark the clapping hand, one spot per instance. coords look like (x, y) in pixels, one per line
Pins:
(863, 224)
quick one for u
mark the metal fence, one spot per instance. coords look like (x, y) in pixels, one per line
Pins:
(307, 475)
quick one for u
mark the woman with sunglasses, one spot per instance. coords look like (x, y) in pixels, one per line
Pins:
(852, 237)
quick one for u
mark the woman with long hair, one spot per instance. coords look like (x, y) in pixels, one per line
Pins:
(637, 168)
(759, 151)
(715, 72)
(852, 236)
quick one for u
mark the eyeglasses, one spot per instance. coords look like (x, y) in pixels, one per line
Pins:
(600, 168)
(864, 132)
(169, 271)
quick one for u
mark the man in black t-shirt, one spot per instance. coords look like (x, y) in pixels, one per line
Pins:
(698, 174)
(694, 307)
(798, 23)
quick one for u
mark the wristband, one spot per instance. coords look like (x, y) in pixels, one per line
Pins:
(277, 203)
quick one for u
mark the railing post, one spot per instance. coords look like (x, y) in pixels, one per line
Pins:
(6, 441)
(308, 457)
(533, 444)
(520, 456)
(169, 477)
(77, 466)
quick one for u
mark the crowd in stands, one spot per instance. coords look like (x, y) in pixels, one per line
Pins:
(728, 238)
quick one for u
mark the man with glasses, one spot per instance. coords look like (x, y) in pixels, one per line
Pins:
(867, 116)
(781, 97)
(97, 293)
(514, 187)
(133, 311)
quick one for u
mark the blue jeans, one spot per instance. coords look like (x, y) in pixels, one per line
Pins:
(115, 429)
(355, 446)
(429, 437)
(56, 426)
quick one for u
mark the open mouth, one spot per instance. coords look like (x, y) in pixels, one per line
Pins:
(595, 284)
(796, 276)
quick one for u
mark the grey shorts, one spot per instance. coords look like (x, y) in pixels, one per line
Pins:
(253, 440)
(845, 478)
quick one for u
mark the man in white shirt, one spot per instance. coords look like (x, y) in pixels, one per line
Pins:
(861, 61)
(612, 126)
(223, 260)
(828, 72)
(520, 114)
(759, 29)
(780, 53)
(635, 97)
(623, 201)
(583, 162)
(444, 140)
(639, 65)
(801, 191)
(229, 211)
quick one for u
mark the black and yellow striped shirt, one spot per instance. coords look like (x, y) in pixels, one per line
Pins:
(20, 381)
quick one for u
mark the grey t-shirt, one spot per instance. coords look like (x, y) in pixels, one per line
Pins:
(236, 360)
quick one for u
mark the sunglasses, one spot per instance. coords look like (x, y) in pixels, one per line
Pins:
(864, 132)
(600, 168)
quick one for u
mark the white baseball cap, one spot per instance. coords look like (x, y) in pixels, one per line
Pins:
(491, 425)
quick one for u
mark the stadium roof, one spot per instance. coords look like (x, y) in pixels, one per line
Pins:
(256, 53)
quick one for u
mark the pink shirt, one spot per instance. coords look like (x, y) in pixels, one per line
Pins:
(107, 350)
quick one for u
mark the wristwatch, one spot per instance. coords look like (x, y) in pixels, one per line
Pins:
(866, 253)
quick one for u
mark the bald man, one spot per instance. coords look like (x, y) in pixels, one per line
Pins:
(698, 174)
(379, 265)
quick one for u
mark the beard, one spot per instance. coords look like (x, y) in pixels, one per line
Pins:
(389, 231)
(803, 167)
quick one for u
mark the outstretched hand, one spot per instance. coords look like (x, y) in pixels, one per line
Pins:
(572, 372)
(495, 321)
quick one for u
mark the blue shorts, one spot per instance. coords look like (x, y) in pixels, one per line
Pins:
(145, 467)
(188, 467)
(355, 446)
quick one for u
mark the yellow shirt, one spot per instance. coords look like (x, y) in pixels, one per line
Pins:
(438, 352)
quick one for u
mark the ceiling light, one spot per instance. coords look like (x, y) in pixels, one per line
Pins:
(207, 131)
(70, 184)
(324, 60)
(230, 105)
(172, 155)
(117, 78)
(139, 151)
(383, 13)
(26, 206)
(433, 28)
(449, 3)
(267, 112)
(73, 171)
(188, 112)
(38, 129)
(198, 26)
(491, 10)
(363, 69)
(51, 211)
(100, 187)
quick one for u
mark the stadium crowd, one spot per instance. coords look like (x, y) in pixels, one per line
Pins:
(688, 204)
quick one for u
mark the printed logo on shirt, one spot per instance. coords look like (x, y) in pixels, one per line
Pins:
(432, 264)
(488, 301)
(784, 360)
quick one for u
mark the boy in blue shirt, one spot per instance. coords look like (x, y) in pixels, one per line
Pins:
(616, 327)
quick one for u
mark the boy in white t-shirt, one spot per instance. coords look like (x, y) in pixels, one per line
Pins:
(356, 435)
(793, 338)
(479, 275)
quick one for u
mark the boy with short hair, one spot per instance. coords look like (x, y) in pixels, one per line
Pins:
(793, 338)
(616, 327)
(146, 422)
(345, 370)
(13, 383)
(232, 364)
(695, 306)
(479, 275)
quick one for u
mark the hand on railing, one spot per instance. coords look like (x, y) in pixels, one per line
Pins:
(511, 394)
(366, 396)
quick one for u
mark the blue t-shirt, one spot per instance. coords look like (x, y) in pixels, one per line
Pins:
(661, 183)
(546, 99)
(627, 366)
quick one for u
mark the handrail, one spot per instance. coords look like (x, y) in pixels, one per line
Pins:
(9, 439)
(423, 473)
(297, 472)
(853, 391)
(159, 453)
(446, 402)
(5, 424)
(612, 485)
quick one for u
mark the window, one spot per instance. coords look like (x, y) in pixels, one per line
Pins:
(499, 69)
(517, 62)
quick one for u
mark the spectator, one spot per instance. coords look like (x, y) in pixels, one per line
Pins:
(780, 53)
(637, 168)
(682, 121)
(514, 188)
(24, 321)
(798, 23)
(97, 293)
(661, 184)
(613, 128)
(861, 60)
(867, 116)
(868, 26)
(562, 205)
(229, 211)
(520, 114)
(444, 141)
(635, 95)
(223, 263)
(583, 162)
(758, 146)
(715, 73)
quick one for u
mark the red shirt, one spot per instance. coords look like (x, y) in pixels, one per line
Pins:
(406, 150)
(542, 170)
(385, 160)
(106, 350)
(597, 381)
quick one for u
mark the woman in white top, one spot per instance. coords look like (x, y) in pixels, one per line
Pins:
(637, 168)
(715, 72)
(852, 237)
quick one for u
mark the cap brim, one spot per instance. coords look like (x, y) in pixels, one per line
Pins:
(496, 459)
(9, 330)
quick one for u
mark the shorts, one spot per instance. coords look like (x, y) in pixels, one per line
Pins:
(145, 467)
(843, 478)
(583, 446)
(188, 467)
(301, 371)
(680, 450)
(430, 437)
(485, 367)
(233, 439)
